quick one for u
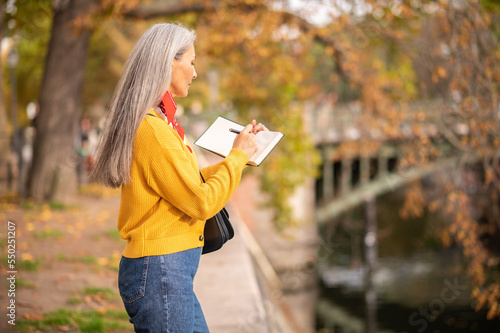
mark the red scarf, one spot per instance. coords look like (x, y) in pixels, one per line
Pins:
(169, 107)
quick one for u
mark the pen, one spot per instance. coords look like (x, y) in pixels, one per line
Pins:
(234, 131)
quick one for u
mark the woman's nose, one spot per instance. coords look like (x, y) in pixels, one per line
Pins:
(194, 74)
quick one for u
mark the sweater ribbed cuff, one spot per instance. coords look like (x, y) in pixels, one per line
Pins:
(239, 155)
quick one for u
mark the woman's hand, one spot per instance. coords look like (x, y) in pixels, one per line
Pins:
(245, 141)
(257, 128)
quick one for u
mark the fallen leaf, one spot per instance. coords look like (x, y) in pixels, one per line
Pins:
(27, 256)
(33, 316)
(65, 328)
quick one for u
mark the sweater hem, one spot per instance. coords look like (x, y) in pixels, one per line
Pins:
(152, 247)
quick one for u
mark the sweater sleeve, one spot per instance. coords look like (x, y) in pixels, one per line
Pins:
(208, 171)
(171, 174)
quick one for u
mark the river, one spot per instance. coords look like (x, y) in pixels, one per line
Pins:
(418, 286)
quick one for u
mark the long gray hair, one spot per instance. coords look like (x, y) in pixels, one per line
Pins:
(145, 79)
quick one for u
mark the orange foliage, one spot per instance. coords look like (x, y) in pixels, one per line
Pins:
(461, 66)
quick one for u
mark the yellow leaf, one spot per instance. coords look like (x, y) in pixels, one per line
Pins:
(102, 261)
(441, 72)
(46, 213)
(492, 311)
(26, 256)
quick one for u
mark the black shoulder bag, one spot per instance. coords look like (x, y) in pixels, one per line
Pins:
(218, 230)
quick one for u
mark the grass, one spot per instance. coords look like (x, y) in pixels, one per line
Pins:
(74, 300)
(56, 205)
(97, 264)
(114, 234)
(89, 321)
(27, 205)
(105, 293)
(45, 234)
(87, 259)
(94, 293)
(20, 282)
(28, 265)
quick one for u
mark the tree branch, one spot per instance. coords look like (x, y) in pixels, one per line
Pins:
(307, 27)
(166, 8)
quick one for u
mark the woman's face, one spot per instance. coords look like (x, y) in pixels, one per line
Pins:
(183, 73)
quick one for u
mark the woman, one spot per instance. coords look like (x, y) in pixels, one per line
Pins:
(164, 202)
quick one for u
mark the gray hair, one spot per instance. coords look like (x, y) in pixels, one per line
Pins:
(145, 79)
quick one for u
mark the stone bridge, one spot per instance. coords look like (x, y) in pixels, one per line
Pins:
(361, 156)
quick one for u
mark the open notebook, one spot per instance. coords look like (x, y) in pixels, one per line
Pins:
(219, 140)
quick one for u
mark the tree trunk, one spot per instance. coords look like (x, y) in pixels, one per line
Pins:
(53, 175)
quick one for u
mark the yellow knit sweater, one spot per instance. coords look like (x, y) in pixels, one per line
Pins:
(164, 208)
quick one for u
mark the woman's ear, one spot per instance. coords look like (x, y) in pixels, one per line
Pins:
(174, 61)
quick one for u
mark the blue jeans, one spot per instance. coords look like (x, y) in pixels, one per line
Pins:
(157, 292)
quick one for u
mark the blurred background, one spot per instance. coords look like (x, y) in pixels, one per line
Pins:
(378, 212)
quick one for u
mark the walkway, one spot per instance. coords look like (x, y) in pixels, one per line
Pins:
(228, 290)
(226, 283)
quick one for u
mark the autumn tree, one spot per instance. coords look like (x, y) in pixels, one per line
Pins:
(466, 31)
(464, 71)
(53, 173)
(400, 53)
